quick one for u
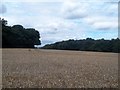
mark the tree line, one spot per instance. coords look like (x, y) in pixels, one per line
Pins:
(88, 44)
(17, 36)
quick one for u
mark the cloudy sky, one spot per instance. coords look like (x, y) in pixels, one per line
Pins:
(58, 20)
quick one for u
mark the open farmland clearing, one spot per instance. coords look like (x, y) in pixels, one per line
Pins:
(39, 68)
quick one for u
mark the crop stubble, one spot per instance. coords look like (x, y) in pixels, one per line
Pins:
(38, 68)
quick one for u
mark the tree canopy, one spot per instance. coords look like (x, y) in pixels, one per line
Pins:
(87, 44)
(17, 36)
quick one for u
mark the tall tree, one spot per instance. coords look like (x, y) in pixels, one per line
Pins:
(19, 37)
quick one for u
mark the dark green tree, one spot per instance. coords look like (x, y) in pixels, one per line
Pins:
(19, 37)
(87, 44)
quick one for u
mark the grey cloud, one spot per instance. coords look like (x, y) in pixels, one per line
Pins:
(51, 32)
(74, 10)
(103, 28)
(75, 15)
(3, 9)
(105, 25)
(46, 42)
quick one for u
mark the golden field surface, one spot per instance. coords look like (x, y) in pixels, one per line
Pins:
(39, 68)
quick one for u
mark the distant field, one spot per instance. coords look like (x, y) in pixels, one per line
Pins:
(38, 68)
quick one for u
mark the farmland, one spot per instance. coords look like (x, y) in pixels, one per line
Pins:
(39, 68)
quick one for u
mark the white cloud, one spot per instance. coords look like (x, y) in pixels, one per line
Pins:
(99, 15)
(60, 0)
(105, 25)
(102, 22)
(31, 0)
(74, 9)
(56, 25)
(93, 19)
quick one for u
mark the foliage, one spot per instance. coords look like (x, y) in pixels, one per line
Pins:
(3, 22)
(88, 44)
(19, 37)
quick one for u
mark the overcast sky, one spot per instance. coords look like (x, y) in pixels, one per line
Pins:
(58, 20)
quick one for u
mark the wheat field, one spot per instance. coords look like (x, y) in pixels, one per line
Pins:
(39, 68)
